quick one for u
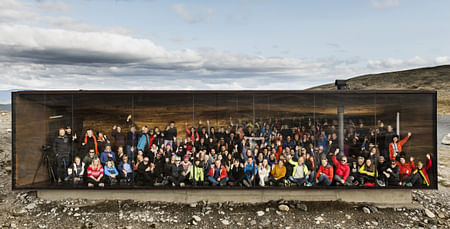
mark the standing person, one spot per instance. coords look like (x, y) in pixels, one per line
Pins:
(90, 142)
(145, 142)
(61, 149)
(192, 133)
(263, 172)
(132, 140)
(325, 174)
(119, 137)
(170, 134)
(95, 174)
(388, 135)
(396, 147)
(102, 141)
(73, 142)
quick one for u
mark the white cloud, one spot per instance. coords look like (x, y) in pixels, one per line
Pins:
(195, 16)
(383, 4)
(58, 52)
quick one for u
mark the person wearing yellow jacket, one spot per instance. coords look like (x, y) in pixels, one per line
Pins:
(300, 173)
(368, 173)
(196, 176)
(278, 173)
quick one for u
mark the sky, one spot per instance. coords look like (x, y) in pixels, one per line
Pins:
(212, 44)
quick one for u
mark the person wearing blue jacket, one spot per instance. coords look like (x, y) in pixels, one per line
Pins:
(107, 155)
(250, 171)
(111, 173)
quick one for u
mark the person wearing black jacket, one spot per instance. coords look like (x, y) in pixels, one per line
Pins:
(236, 174)
(61, 149)
(145, 173)
(382, 165)
(170, 134)
(176, 173)
(392, 174)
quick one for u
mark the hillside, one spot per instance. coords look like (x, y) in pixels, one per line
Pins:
(431, 78)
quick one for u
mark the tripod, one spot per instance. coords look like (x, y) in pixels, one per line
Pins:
(45, 160)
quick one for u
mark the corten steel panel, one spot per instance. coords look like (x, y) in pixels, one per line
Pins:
(100, 110)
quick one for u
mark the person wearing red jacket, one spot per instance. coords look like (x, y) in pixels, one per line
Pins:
(192, 133)
(396, 147)
(405, 168)
(419, 176)
(325, 174)
(342, 173)
(218, 174)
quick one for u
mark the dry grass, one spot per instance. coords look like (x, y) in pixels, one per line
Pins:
(432, 78)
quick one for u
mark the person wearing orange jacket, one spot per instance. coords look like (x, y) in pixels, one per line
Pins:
(90, 142)
(419, 176)
(325, 174)
(406, 168)
(396, 147)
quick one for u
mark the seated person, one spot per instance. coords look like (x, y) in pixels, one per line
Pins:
(342, 173)
(250, 170)
(111, 173)
(176, 173)
(263, 172)
(406, 168)
(278, 173)
(368, 173)
(392, 174)
(419, 176)
(76, 171)
(236, 175)
(125, 169)
(196, 176)
(145, 172)
(300, 173)
(218, 174)
(95, 174)
(325, 174)
(382, 165)
(87, 160)
(354, 170)
(186, 165)
(108, 155)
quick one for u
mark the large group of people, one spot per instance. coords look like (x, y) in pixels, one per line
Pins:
(299, 153)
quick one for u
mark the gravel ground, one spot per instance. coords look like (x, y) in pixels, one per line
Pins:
(25, 210)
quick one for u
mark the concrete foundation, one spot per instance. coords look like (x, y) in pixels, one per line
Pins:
(380, 197)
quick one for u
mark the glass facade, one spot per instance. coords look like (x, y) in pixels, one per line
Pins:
(51, 129)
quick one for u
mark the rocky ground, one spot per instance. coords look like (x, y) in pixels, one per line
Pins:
(25, 210)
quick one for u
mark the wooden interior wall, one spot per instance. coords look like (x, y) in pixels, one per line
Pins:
(31, 134)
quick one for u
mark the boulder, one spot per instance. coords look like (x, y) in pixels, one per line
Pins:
(446, 139)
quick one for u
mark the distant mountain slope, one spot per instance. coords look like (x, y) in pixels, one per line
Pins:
(431, 78)
(5, 107)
